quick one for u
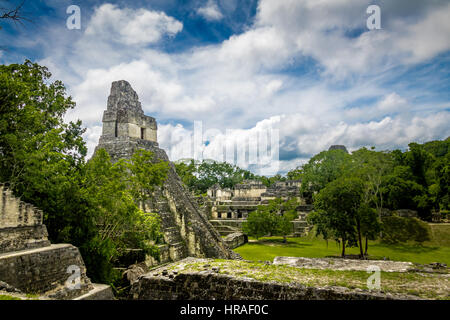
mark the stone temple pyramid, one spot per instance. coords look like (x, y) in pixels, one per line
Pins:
(187, 232)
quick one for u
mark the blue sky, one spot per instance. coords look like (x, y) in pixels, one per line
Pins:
(309, 69)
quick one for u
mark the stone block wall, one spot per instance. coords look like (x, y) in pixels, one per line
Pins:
(44, 270)
(16, 213)
(227, 206)
(20, 224)
(236, 239)
(22, 238)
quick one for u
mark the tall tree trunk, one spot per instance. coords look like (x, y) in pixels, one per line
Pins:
(343, 247)
(358, 226)
(381, 207)
(367, 246)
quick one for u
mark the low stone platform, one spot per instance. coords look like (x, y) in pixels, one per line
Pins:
(344, 264)
(206, 279)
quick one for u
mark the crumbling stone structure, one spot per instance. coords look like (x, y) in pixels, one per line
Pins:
(229, 208)
(29, 263)
(236, 239)
(125, 126)
(186, 231)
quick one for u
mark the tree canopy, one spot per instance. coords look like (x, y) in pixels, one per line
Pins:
(350, 191)
(198, 177)
(273, 219)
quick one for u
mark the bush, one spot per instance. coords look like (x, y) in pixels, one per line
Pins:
(399, 229)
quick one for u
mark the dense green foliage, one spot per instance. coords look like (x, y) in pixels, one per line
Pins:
(322, 169)
(92, 205)
(350, 191)
(272, 219)
(416, 179)
(198, 177)
(34, 140)
(113, 192)
(339, 211)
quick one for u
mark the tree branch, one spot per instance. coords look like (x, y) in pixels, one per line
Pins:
(14, 14)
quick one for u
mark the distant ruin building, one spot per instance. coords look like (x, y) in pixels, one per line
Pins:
(187, 232)
(230, 207)
(338, 147)
(31, 265)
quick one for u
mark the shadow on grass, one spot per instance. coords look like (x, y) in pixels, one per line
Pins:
(279, 242)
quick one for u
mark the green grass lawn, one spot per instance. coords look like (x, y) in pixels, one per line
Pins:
(5, 297)
(437, 250)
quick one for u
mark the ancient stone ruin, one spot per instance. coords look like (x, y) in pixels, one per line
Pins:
(187, 232)
(229, 208)
(31, 265)
(338, 147)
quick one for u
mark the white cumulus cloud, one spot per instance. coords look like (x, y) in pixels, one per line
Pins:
(131, 27)
(241, 83)
(210, 11)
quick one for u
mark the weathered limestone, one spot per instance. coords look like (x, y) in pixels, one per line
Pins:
(236, 239)
(124, 117)
(28, 262)
(10, 206)
(344, 264)
(406, 213)
(20, 224)
(162, 284)
(186, 231)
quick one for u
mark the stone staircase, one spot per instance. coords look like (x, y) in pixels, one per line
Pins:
(301, 226)
(174, 243)
(20, 224)
(29, 263)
